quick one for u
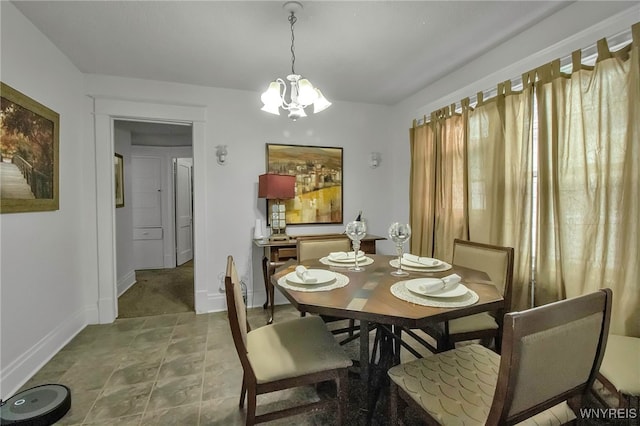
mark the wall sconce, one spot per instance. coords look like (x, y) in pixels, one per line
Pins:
(375, 160)
(221, 153)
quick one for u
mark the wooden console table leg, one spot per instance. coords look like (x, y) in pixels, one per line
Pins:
(272, 299)
(265, 275)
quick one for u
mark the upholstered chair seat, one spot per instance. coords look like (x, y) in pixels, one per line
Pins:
(481, 321)
(456, 387)
(293, 348)
(620, 369)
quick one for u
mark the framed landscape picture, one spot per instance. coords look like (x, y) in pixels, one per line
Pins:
(118, 164)
(29, 137)
(318, 172)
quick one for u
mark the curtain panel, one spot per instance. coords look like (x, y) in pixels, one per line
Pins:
(500, 179)
(577, 229)
(589, 157)
(438, 183)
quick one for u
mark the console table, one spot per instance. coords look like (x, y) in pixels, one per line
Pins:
(277, 252)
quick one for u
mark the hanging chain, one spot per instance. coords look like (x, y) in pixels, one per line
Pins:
(292, 20)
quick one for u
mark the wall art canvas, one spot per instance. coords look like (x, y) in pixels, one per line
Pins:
(118, 172)
(318, 172)
(29, 137)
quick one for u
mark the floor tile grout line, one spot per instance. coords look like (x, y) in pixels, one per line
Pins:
(155, 381)
(85, 419)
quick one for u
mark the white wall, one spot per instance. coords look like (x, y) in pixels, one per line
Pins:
(234, 119)
(45, 288)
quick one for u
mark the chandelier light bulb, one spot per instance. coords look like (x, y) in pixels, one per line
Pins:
(306, 92)
(271, 97)
(321, 103)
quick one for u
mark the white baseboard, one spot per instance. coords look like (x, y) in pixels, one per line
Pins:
(20, 370)
(217, 302)
(125, 282)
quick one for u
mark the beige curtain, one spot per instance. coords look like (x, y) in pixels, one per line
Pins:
(500, 178)
(422, 187)
(437, 184)
(589, 189)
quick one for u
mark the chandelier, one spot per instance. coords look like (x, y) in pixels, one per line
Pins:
(302, 93)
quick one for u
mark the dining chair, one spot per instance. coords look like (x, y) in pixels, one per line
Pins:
(550, 357)
(284, 355)
(620, 372)
(314, 248)
(497, 263)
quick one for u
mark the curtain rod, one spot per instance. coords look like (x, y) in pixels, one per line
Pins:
(589, 57)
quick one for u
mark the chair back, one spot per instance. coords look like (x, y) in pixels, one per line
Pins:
(237, 312)
(550, 354)
(495, 261)
(314, 248)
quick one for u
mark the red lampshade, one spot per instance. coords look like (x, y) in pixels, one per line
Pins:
(276, 187)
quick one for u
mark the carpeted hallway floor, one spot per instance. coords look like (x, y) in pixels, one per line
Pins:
(159, 292)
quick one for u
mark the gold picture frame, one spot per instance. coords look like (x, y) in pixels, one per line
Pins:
(118, 164)
(29, 149)
(318, 171)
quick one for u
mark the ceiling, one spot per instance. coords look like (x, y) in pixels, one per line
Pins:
(377, 52)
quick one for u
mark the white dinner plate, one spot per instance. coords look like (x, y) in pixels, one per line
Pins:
(322, 276)
(407, 262)
(349, 259)
(361, 262)
(417, 286)
(444, 266)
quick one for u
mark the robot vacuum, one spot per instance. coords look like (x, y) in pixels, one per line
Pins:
(39, 406)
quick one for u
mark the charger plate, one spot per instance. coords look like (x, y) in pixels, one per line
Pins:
(339, 282)
(400, 291)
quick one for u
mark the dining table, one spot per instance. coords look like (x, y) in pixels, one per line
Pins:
(380, 301)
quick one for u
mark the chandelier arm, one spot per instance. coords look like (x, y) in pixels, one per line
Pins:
(292, 21)
(285, 104)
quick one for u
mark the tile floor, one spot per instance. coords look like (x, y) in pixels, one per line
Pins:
(175, 369)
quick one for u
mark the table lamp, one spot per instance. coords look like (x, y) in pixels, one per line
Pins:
(277, 187)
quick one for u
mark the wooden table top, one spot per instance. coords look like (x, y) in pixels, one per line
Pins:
(368, 296)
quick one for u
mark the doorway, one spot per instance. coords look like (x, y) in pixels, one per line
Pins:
(105, 111)
(152, 229)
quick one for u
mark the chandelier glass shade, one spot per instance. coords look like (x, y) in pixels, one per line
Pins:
(301, 92)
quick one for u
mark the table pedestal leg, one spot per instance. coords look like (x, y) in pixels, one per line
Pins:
(364, 364)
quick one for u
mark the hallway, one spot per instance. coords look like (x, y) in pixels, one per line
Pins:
(159, 292)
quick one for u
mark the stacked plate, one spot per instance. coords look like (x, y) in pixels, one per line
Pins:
(314, 277)
(435, 287)
(342, 258)
(421, 264)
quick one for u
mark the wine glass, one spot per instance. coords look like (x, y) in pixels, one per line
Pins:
(356, 230)
(399, 233)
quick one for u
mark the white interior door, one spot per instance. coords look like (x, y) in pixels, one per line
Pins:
(148, 238)
(184, 210)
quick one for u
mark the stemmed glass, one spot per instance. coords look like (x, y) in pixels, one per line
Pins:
(356, 230)
(399, 233)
